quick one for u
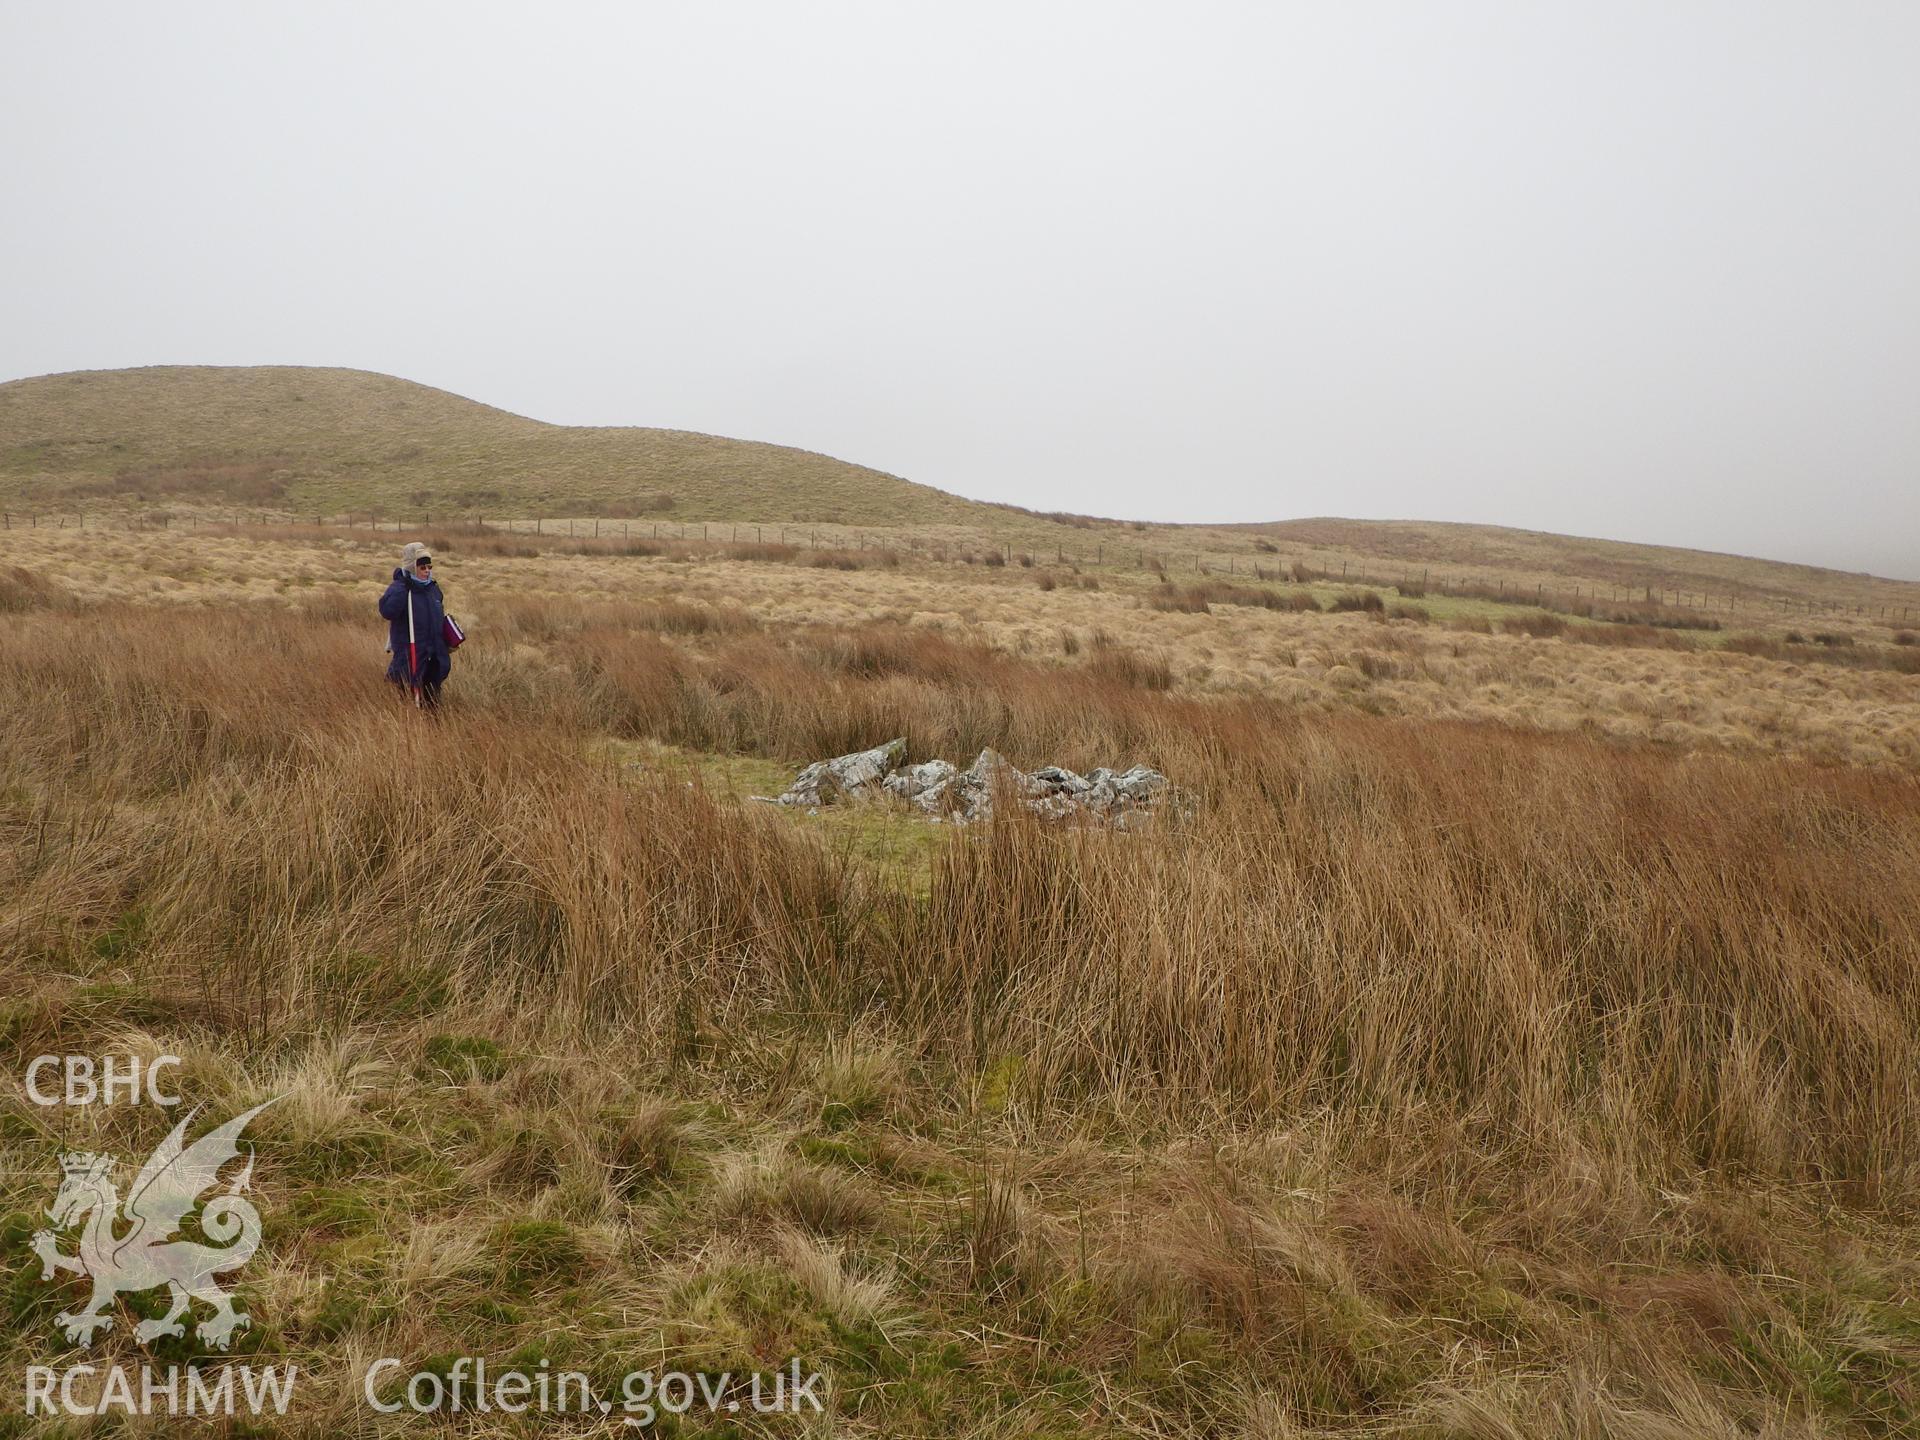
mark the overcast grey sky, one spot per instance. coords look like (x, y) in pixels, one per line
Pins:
(1641, 270)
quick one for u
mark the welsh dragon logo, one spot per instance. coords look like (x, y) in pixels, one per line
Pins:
(147, 1256)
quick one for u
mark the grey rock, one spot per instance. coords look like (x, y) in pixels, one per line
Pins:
(987, 764)
(974, 787)
(912, 781)
(935, 800)
(1140, 783)
(1059, 780)
(860, 773)
(944, 793)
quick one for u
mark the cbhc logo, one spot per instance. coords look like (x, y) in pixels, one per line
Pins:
(114, 1080)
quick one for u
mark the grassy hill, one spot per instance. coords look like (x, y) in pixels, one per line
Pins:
(337, 440)
(311, 441)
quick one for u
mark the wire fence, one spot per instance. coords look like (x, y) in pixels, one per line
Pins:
(1261, 562)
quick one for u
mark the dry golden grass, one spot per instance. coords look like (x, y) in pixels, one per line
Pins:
(1430, 1078)
(1520, 1037)
(1468, 660)
(1522, 559)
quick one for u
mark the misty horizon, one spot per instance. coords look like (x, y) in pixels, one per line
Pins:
(1641, 274)
(1120, 519)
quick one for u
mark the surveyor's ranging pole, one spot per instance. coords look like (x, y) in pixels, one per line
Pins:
(413, 650)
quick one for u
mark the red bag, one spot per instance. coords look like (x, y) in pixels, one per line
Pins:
(452, 633)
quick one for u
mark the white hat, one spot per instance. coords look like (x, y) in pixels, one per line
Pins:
(413, 552)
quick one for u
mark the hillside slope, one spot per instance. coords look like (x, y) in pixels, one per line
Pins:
(311, 441)
(1500, 549)
(339, 440)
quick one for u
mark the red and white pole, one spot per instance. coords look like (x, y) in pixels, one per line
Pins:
(413, 648)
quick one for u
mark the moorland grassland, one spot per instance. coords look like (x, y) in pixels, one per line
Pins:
(1513, 1032)
(1518, 1035)
(1837, 689)
(172, 444)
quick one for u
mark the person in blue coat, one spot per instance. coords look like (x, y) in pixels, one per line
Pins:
(413, 585)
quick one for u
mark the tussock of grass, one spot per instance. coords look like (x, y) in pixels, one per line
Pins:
(1428, 1076)
(24, 589)
(1828, 649)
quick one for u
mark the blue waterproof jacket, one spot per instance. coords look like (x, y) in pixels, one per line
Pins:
(429, 629)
